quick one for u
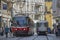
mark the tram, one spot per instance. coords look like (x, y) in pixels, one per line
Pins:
(22, 25)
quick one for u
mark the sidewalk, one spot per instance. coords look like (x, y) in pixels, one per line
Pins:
(1, 37)
(4, 36)
(52, 36)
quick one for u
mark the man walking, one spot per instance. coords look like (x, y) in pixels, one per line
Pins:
(6, 31)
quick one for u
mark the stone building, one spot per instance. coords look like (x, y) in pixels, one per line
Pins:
(5, 14)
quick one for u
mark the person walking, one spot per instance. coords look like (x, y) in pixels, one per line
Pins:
(6, 31)
(2, 31)
(49, 30)
(11, 32)
(54, 26)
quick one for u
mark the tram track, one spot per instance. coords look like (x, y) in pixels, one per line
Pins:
(34, 37)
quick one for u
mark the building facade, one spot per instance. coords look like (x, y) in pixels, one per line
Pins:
(5, 15)
(33, 8)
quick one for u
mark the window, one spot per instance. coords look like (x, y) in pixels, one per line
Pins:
(58, 4)
(20, 21)
(36, 17)
(5, 6)
(32, 8)
(46, 24)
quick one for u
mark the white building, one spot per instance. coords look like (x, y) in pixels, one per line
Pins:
(33, 8)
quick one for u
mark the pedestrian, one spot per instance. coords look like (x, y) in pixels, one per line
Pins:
(49, 30)
(10, 31)
(6, 31)
(2, 31)
(55, 26)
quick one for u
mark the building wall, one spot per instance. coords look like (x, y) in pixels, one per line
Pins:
(30, 8)
(56, 8)
(6, 15)
(48, 15)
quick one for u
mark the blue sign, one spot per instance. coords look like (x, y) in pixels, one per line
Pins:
(4, 6)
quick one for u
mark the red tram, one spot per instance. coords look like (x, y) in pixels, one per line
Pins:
(22, 25)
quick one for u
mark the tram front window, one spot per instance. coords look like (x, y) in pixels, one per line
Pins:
(21, 21)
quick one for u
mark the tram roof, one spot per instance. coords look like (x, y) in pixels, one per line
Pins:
(21, 16)
(42, 21)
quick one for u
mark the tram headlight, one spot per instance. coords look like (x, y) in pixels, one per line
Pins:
(24, 29)
(15, 29)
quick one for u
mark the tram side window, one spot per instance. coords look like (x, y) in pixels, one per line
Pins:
(46, 24)
(13, 23)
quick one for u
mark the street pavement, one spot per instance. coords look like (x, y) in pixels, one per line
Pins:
(34, 37)
(58, 38)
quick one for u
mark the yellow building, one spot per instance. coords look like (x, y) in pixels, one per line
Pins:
(48, 6)
(48, 14)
